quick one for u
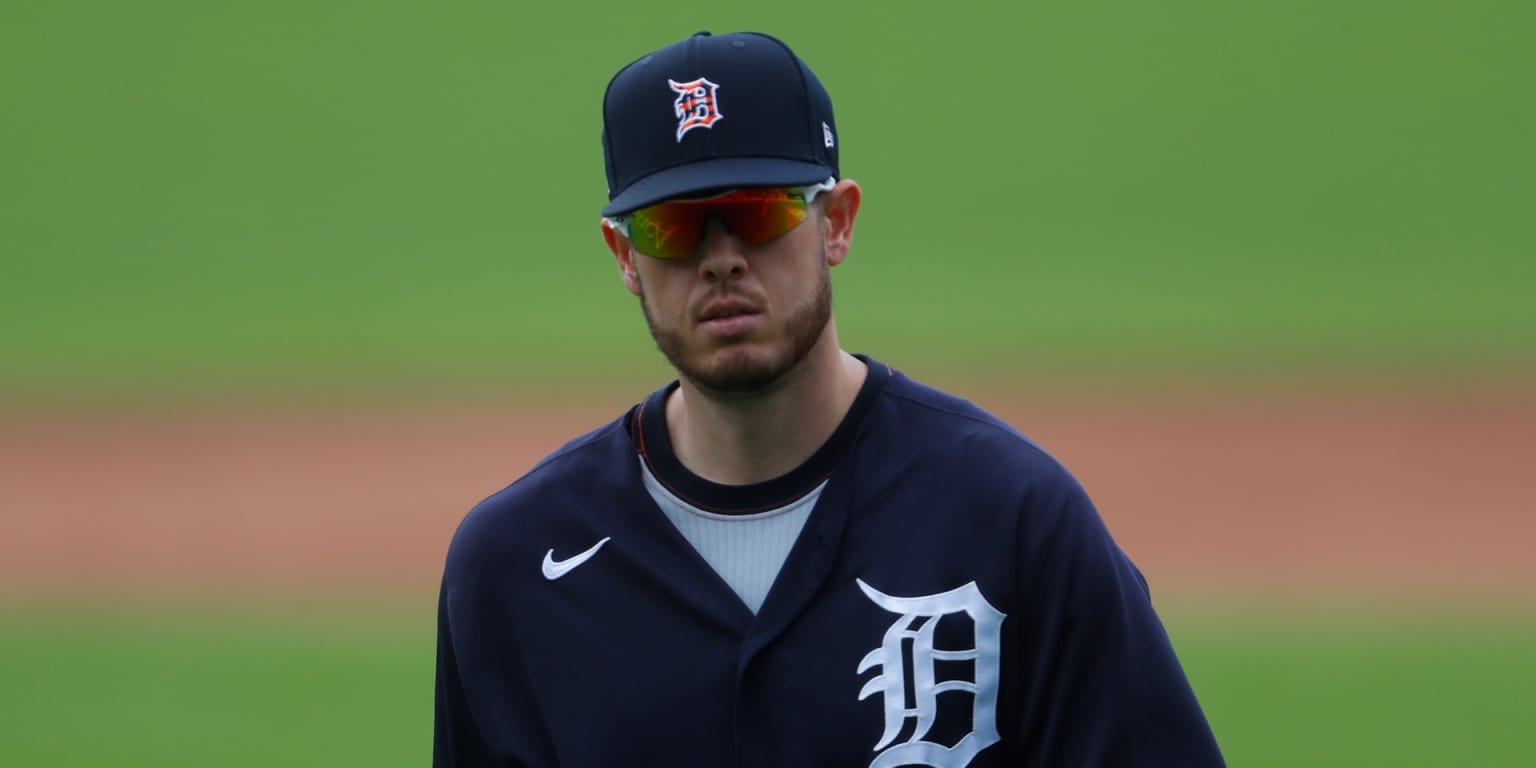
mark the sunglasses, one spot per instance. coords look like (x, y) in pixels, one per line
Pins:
(672, 229)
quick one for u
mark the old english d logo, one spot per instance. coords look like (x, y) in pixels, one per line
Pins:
(696, 105)
(918, 618)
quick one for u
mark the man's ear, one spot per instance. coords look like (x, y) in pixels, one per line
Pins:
(839, 206)
(624, 255)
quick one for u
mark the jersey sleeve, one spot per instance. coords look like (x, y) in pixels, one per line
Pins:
(1106, 687)
(484, 712)
(456, 739)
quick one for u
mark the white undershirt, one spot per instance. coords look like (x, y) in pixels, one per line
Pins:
(746, 550)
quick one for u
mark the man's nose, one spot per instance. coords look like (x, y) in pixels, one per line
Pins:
(721, 255)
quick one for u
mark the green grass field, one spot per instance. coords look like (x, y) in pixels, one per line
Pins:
(219, 199)
(195, 690)
(314, 195)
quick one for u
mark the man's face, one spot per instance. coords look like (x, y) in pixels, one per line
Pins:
(731, 354)
(735, 318)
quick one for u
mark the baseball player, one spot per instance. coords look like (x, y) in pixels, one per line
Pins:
(791, 556)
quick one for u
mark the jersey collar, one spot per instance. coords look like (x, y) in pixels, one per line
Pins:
(648, 430)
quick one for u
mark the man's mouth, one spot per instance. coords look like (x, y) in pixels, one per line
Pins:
(729, 318)
(725, 309)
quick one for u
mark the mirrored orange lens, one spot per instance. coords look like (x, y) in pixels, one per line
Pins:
(672, 230)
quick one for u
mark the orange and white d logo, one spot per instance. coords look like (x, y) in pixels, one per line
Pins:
(696, 105)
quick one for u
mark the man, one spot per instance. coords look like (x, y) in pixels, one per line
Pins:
(791, 556)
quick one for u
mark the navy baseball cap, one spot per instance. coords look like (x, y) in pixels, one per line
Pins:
(715, 112)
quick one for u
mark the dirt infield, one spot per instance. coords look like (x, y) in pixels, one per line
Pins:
(1407, 495)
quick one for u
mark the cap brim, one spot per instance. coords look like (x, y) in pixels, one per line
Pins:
(719, 173)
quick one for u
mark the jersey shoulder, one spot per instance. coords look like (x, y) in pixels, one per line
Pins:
(952, 426)
(931, 444)
(583, 476)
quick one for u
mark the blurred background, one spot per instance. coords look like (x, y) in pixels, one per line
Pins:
(285, 288)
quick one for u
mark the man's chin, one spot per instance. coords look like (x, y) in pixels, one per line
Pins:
(736, 372)
(749, 365)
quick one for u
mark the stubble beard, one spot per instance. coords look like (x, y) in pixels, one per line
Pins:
(743, 376)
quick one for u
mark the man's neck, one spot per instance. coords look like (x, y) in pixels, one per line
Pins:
(739, 442)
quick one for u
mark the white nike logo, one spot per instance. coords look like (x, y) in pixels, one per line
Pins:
(555, 569)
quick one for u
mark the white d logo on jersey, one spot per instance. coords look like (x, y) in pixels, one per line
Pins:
(919, 618)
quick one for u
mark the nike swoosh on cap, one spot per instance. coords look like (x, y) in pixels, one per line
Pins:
(554, 569)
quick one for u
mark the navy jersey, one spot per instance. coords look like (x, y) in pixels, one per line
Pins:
(953, 600)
